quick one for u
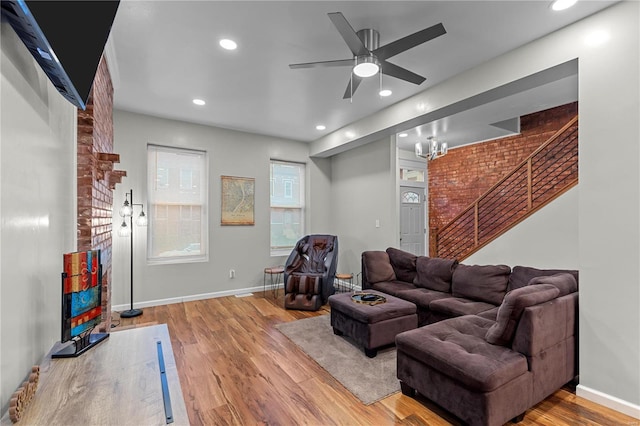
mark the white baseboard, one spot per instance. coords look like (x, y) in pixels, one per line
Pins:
(190, 298)
(608, 401)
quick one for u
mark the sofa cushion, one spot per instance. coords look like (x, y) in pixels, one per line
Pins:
(487, 283)
(378, 267)
(501, 333)
(458, 306)
(434, 273)
(403, 263)
(392, 287)
(422, 296)
(566, 283)
(491, 314)
(456, 348)
(521, 275)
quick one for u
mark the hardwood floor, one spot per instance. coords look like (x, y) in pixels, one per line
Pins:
(236, 368)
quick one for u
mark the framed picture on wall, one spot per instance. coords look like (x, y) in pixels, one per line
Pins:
(238, 200)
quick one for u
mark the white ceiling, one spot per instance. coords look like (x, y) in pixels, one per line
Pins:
(163, 54)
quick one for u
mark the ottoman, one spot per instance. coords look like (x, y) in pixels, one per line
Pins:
(371, 326)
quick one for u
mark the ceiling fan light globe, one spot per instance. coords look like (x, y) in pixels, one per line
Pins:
(366, 69)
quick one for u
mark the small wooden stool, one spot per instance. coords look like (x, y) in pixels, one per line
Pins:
(278, 271)
(345, 277)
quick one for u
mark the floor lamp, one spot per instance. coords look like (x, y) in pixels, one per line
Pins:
(127, 231)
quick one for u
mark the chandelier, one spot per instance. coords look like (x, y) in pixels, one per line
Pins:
(431, 149)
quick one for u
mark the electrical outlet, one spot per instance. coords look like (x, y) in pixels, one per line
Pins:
(232, 273)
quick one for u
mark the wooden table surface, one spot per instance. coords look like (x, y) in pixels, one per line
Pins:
(115, 383)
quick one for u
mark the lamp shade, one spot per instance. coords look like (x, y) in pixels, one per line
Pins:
(126, 209)
(124, 230)
(142, 219)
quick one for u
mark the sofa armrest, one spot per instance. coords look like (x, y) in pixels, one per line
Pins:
(363, 270)
(547, 335)
(376, 267)
(543, 326)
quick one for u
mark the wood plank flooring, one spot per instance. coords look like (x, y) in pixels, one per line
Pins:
(236, 368)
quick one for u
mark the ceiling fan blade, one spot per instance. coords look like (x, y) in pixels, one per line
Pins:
(356, 82)
(402, 73)
(348, 34)
(412, 40)
(337, 63)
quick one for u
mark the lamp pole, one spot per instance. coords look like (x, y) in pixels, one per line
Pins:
(130, 313)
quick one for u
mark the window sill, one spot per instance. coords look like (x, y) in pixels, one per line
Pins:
(177, 260)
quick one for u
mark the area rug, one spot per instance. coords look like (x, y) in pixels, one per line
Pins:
(369, 379)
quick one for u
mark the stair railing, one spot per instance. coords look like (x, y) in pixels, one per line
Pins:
(547, 173)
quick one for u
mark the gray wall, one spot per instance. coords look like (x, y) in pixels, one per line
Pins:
(37, 210)
(609, 205)
(243, 248)
(363, 190)
(548, 239)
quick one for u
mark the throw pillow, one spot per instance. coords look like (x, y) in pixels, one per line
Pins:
(514, 303)
(434, 273)
(403, 263)
(377, 267)
(566, 283)
(487, 283)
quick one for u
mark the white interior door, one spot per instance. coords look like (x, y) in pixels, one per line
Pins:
(412, 220)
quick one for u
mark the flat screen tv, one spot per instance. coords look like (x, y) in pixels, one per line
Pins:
(81, 303)
(66, 38)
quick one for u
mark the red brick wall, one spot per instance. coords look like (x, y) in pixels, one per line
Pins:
(95, 197)
(465, 173)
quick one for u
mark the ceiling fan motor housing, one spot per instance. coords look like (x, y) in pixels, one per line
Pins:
(370, 38)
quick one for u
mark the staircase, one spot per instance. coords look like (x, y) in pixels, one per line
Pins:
(546, 174)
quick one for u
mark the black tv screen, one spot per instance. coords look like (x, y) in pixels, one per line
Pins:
(66, 38)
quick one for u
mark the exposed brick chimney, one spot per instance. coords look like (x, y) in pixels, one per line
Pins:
(97, 179)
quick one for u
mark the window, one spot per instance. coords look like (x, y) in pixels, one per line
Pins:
(411, 175)
(177, 197)
(411, 197)
(287, 206)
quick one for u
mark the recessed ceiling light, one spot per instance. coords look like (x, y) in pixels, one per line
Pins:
(563, 4)
(228, 44)
(199, 102)
(403, 135)
(321, 127)
(385, 92)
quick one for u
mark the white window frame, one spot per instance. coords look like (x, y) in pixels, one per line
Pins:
(203, 204)
(284, 251)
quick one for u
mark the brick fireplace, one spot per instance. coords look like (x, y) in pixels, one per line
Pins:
(97, 179)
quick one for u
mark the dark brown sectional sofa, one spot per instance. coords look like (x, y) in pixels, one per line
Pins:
(492, 341)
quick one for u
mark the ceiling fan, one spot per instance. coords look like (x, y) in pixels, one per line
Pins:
(369, 57)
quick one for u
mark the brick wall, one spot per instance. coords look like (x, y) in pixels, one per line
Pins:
(460, 177)
(95, 193)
